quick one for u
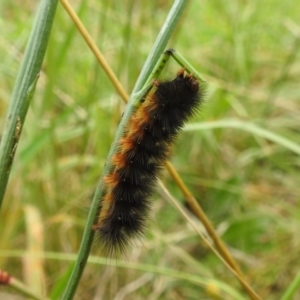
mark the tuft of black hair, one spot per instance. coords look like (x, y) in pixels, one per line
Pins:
(142, 150)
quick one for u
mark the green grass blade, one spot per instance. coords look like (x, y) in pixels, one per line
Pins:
(249, 127)
(197, 279)
(293, 287)
(24, 88)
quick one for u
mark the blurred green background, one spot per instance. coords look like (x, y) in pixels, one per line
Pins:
(247, 183)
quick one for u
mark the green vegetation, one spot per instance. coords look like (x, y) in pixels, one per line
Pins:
(240, 157)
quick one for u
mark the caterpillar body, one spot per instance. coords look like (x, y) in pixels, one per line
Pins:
(142, 150)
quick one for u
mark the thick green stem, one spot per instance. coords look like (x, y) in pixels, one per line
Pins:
(24, 88)
(156, 51)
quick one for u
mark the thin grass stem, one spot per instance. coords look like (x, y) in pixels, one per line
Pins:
(184, 63)
(226, 260)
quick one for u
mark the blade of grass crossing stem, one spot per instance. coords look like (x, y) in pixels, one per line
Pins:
(24, 88)
(184, 63)
(156, 51)
(293, 287)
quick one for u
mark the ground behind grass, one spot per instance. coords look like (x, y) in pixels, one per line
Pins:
(248, 184)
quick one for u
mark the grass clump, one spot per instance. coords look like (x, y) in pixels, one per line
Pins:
(246, 182)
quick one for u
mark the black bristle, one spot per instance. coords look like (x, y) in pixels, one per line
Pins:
(162, 116)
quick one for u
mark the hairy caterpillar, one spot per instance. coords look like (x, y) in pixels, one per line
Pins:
(143, 148)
